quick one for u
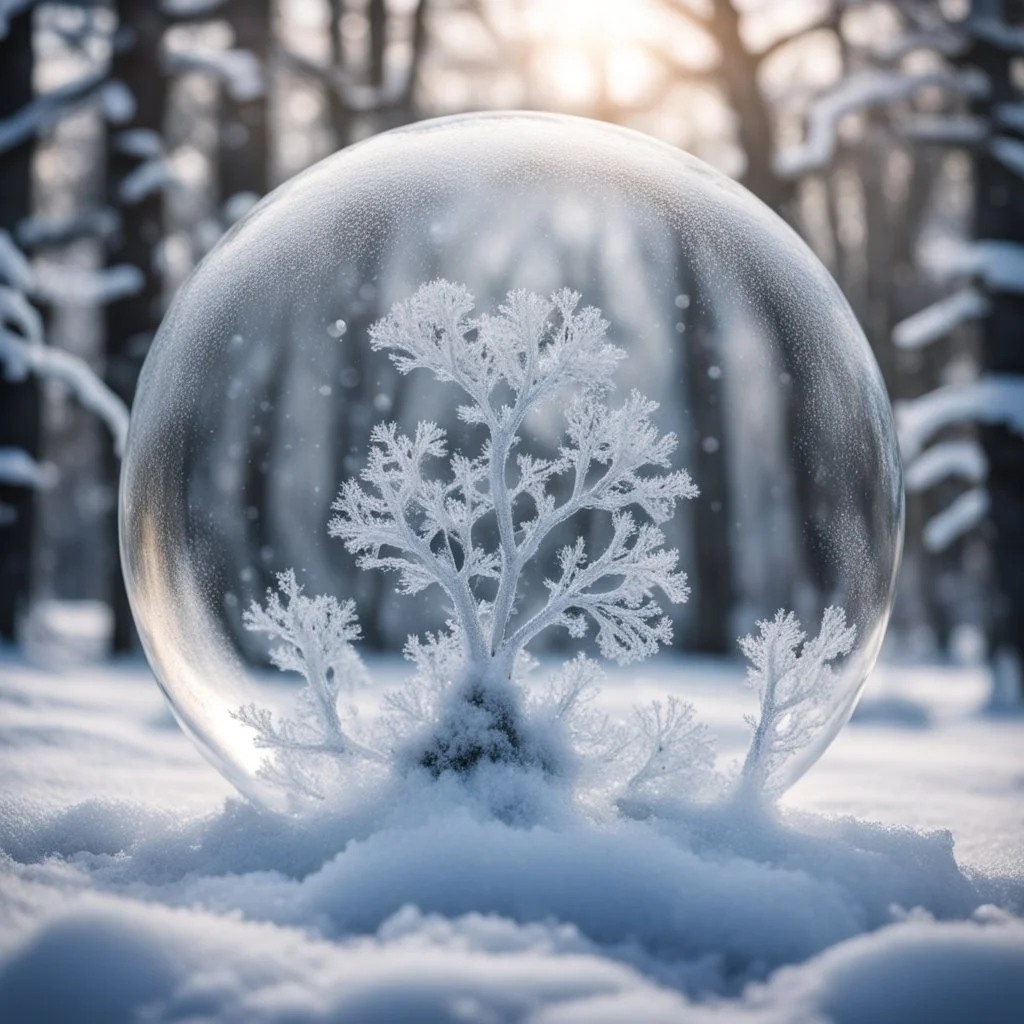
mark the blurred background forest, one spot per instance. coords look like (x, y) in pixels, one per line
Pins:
(888, 133)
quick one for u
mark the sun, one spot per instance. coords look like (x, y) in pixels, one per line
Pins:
(589, 51)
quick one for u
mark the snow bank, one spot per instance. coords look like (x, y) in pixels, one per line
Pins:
(420, 905)
(117, 961)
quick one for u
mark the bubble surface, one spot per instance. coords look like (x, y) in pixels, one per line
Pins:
(259, 395)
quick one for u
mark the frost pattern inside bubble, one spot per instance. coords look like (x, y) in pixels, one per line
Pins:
(642, 394)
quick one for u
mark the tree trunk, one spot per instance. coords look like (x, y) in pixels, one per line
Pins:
(19, 402)
(999, 216)
(713, 590)
(242, 155)
(739, 74)
(131, 322)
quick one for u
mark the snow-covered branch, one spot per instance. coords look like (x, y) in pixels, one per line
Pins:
(22, 352)
(355, 96)
(190, 10)
(998, 265)
(44, 112)
(997, 398)
(19, 469)
(934, 322)
(958, 518)
(10, 9)
(239, 71)
(20, 358)
(963, 459)
(856, 93)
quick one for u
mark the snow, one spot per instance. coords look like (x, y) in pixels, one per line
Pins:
(15, 269)
(944, 129)
(998, 265)
(133, 875)
(19, 469)
(143, 143)
(963, 459)
(997, 32)
(857, 92)
(38, 231)
(1011, 115)
(8, 10)
(151, 176)
(239, 70)
(42, 114)
(934, 322)
(963, 515)
(20, 358)
(17, 311)
(189, 8)
(995, 398)
(76, 286)
(1009, 152)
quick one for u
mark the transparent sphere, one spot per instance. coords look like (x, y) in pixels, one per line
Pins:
(259, 396)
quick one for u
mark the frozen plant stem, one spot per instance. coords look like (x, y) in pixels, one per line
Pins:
(428, 530)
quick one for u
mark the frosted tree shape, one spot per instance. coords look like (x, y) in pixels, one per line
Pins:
(430, 531)
(796, 690)
(316, 635)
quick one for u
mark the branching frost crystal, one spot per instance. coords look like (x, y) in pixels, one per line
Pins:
(476, 526)
(795, 690)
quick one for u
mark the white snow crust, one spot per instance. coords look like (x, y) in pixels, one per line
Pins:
(134, 885)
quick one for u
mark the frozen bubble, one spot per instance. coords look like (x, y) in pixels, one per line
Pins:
(739, 334)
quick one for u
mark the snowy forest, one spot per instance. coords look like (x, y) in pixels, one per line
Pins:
(888, 135)
(636, 607)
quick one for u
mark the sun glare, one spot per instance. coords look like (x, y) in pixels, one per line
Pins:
(589, 50)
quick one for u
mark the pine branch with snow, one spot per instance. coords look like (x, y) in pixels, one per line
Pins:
(795, 681)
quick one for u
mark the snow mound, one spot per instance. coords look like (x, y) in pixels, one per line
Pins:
(151, 902)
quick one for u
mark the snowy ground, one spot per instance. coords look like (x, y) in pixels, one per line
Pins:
(135, 886)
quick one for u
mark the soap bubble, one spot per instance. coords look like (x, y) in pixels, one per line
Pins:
(259, 395)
